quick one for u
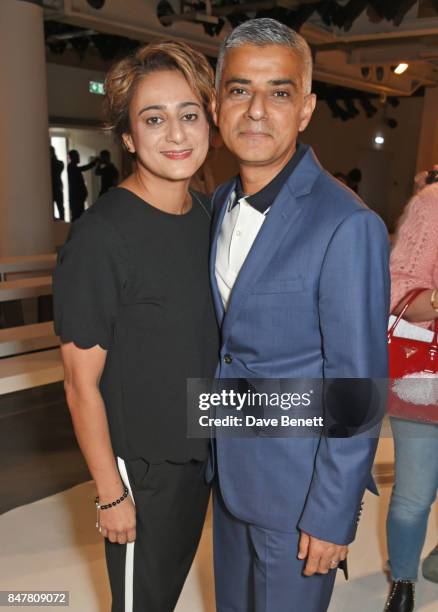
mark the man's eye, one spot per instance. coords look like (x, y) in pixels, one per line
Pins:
(190, 117)
(281, 94)
(154, 120)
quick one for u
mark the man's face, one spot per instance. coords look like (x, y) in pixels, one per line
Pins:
(261, 104)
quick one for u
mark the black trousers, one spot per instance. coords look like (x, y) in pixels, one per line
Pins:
(171, 501)
(58, 198)
(77, 207)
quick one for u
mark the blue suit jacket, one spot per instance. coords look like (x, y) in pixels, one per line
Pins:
(311, 301)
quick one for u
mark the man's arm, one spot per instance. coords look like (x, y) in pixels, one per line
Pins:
(83, 369)
(353, 307)
(88, 166)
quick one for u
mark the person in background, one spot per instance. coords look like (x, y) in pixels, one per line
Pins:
(134, 312)
(109, 175)
(424, 177)
(354, 177)
(414, 264)
(77, 190)
(341, 177)
(57, 167)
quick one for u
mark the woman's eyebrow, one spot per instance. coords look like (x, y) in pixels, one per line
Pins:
(163, 106)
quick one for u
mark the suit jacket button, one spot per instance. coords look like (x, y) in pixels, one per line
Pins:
(228, 358)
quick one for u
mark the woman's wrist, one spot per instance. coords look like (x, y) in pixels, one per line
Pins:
(107, 505)
(109, 491)
(434, 300)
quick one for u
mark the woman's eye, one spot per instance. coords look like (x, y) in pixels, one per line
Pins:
(154, 120)
(237, 91)
(190, 117)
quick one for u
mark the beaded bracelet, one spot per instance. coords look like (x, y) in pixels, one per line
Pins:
(111, 504)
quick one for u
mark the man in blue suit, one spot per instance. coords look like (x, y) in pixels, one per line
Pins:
(299, 270)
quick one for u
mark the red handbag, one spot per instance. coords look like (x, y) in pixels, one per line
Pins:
(413, 369)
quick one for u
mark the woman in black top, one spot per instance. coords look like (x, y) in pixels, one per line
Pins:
(134, 312)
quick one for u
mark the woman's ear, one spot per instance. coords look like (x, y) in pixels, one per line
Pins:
(214, 109)
(128, 142)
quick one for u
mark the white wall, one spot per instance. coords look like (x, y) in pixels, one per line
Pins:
(389, 170)
(69, 98)
(428, 145)
(68, 92)
(24, 152)
(89, 143)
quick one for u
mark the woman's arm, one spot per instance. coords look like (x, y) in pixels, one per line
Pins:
(83, 369)
(421, 308)
(414, 257)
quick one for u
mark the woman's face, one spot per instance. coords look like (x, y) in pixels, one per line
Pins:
(169, 128)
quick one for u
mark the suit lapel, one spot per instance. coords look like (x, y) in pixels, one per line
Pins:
(220, 200)
(281, 220)
(277, 224)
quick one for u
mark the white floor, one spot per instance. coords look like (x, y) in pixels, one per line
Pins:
(52, 544)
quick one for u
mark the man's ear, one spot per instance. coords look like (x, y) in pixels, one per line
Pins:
(128, 142)
(307, 111)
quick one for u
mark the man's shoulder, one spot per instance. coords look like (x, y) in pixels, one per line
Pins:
(336, 203)
(337, 207)
(337, 197)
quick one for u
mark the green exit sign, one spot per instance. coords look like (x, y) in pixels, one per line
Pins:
(96, 87)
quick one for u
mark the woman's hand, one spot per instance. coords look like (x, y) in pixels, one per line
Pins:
(421, 310)
(82, 373)
(118, 523)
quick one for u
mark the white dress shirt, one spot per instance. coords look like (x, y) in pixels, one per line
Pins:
(242, 222)
(240, 226)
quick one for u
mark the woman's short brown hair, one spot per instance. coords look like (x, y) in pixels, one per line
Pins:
(122, 79)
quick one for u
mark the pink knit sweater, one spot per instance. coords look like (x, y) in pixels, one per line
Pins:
(414, 256)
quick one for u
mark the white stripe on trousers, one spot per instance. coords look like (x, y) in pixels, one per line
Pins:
(129, 560)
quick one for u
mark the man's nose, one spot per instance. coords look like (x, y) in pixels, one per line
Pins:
(257, 108)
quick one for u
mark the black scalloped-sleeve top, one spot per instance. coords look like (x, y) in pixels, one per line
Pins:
(134, 280)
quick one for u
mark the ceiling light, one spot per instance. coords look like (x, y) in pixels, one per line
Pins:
(379, 140)
(401, 68)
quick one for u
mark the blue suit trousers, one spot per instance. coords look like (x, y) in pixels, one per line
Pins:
(257, 569)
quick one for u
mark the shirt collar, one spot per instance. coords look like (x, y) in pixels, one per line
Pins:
(263, 199)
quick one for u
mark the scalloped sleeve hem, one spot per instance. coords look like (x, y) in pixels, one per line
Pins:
(87, 285)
